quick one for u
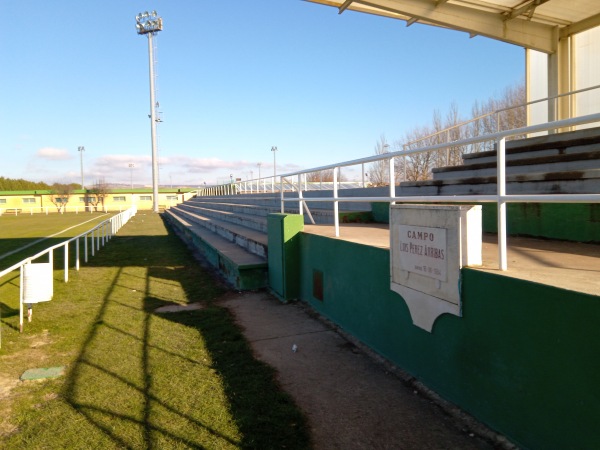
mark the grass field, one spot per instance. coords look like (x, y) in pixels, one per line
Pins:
(19, 231)
(136, 378)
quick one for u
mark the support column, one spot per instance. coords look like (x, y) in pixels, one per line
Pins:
(560, 70)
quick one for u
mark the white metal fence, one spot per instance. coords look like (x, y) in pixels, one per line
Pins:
(92, 240)
(86, 209)
(501, 198)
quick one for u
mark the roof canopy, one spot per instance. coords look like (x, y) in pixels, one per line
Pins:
(534, 24)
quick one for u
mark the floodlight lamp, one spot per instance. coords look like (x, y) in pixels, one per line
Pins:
(146, 14)
(154, 13)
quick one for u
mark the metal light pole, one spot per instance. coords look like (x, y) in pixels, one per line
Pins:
(150, 24)
(274, 150)
(131, 166)
(81, 149)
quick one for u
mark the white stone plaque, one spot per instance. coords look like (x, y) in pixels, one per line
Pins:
(429, 244)
(423, 250)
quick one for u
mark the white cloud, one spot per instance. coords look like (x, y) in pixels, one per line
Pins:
(53, 154)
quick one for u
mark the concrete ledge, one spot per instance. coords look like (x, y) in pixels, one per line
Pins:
(252, 240)
(241, 269)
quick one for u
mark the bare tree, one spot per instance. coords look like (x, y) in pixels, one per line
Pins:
(378, 170)
(98, 193)
(497, 113)
(321, 175)
(60, 194)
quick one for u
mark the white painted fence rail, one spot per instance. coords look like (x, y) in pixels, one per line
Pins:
(93, 239)
(501, 198)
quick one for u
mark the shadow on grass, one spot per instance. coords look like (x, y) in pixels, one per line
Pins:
(264, 416)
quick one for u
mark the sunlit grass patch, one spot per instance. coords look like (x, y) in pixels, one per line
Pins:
(137, 378)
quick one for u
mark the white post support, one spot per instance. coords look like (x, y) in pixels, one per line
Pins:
(77, 254)
(363, 174)
(448, 147)
(300, 204)
(404, 163)
(21, 280)
(281, 196)
(85, 248)
(392, 179)
(336, 216)
(67, 262)
(93, 243)
(98, 233)
(501, 181)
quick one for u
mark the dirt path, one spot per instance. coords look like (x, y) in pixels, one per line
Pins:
(351, 402)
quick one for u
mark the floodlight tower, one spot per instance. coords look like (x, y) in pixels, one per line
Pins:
(81, 149)
(150, 24)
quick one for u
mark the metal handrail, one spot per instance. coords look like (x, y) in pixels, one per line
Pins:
(501, 198)
(102, 232)
(497, 112)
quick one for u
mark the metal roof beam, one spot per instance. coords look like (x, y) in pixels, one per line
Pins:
(578, 27)
(345, 6)
(525, 33)
(526, 8)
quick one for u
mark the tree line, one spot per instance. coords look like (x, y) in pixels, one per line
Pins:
(11, 184)
(498, 113)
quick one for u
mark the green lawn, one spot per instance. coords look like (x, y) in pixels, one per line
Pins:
(22, 230)
(137, 378)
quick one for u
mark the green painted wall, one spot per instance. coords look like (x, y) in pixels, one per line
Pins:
(524, 358)
(284, 254)
(578, 222)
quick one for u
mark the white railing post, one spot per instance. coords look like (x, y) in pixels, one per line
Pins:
(363, 174)
(67, 262)
(281, 195)
(501, 181)
(77, 254)
(300, 204)
(21, 280)
(392, 178)
(336, 216)
(404, 162)
(85, 247)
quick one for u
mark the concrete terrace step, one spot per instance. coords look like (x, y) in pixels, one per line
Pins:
(521, 154)
(274, 201)
(243, 270)
(546, 165)
(584, 182)
(581, 141)
(245, 212)
(233, 214)
(253, 241)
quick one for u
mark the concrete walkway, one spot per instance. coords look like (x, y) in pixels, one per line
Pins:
(351, 401)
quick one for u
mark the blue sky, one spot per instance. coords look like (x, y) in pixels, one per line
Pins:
(234, 79)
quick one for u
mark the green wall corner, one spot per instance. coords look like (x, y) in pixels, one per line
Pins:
(284, 254)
